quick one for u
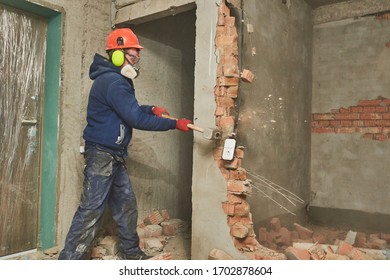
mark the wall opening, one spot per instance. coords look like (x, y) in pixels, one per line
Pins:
(160, 163)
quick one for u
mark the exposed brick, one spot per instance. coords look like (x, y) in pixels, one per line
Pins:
(236, 198)
(230, 70)
(165, 214)
(220, 111)
(284, 237)
(373, 116)
(153, 230)
(385, 236)
(220, 91)
(304, 233)
(239, 230)
(358, 123)
(232, 91)
(323, 116)
(375, 102)
(344, 110)
(352, 116)
(233, 164)
(323, 123)
(238, 187)
(217, 254)
(227, 81)
(225, 101)
(262, 236)
(228, 208)
(238, 174)
(357, 109)
(226, 121)
(168, 228)
(242, 209)
(344, 248)
(378, 243)
(332, 256)
(230, 50)
(357, 254)
(275, 224)
(382, 109)
(154, 218)
(297, 254)
(239, 152)
(225, 40)
(230, 21)
(369, 109)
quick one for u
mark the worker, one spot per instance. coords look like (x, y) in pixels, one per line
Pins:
(112, 113)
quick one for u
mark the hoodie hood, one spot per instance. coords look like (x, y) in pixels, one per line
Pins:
(101, 65)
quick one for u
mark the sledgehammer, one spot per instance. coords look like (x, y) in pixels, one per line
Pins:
(210, 134)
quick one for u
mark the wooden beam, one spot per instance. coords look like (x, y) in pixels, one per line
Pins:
(149, 10)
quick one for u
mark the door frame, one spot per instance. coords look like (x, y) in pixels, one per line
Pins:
(49, 138)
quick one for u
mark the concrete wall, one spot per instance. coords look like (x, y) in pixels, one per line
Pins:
(349, 175)
(275, 109)
(85, 27)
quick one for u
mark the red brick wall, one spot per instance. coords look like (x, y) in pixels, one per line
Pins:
(236, 207)
(369, 117)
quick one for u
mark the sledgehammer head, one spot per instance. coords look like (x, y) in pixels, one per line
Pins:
(212, 134)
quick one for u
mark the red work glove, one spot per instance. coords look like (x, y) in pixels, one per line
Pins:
(181, 124)
(158, 111)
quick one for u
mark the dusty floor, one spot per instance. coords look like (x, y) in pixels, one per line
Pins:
(177, 246)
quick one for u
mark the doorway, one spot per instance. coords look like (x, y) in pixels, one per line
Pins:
(31, 36)
(22, 62)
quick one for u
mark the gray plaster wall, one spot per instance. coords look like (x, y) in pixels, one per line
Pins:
(351, 63)
(275, 110)
(84, 29)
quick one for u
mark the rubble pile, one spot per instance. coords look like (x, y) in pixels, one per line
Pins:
(303, 243)
(155, 232)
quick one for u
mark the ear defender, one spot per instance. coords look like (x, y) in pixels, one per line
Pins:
(118, 58)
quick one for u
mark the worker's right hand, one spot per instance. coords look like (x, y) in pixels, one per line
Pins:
(159, 111)
(181, 124)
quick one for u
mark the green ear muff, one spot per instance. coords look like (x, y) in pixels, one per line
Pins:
(118, 58)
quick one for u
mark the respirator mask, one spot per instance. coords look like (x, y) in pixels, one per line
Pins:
(131, 71)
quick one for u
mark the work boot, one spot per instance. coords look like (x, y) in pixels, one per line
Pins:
(140, 255)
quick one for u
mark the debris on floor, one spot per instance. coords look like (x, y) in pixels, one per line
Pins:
(160, 236)
(322, 243)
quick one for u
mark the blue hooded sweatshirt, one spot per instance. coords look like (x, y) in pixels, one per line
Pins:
(113, 111)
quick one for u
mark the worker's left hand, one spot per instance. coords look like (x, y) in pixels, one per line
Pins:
(159, 111)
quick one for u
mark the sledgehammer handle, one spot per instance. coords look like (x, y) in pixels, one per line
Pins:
(190, 125)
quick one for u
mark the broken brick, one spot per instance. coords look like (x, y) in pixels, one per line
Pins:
(247, 76)
(239, 230)
(344, 248)
(303, 232)
(297, 254)
(275, 224)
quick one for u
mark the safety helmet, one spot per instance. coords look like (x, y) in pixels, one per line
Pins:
(122, 38)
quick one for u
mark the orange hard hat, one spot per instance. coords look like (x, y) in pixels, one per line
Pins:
(122, 38)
